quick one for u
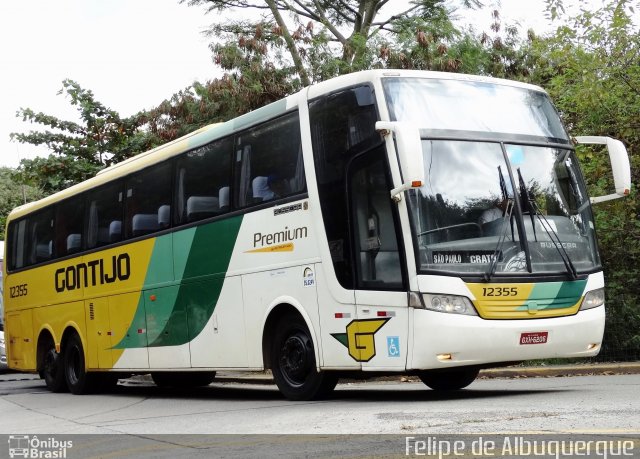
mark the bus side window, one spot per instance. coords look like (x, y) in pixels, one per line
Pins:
(269, 161)
(376, 242)
(201, 175)
(105, 215)
(342, 126)
(147, 192)
(69, 226)
(40, 236)
(17, 244)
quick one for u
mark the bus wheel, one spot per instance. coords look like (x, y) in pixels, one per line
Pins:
(78, 380)
(53, 371)
(454, 379)
(293, 362)
(183, 379)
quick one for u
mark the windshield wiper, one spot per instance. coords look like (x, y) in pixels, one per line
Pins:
(503, 229)
(532, 207)
(503, 236)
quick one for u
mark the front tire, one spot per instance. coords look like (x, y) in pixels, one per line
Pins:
(453, 379)
(293, 362)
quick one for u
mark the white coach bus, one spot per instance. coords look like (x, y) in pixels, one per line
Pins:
(385, 221)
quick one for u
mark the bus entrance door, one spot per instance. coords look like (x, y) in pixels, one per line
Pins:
(381, 298)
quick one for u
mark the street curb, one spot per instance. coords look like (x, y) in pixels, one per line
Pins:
(563, 370)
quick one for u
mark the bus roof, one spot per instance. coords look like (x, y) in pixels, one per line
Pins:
(211, 132)
(190, 141)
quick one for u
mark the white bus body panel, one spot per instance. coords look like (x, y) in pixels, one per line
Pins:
(475, 341)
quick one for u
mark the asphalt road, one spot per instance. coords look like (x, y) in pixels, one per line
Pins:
(589, 404)
(374, 419)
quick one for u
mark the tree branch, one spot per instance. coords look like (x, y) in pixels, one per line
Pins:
(325, 22)
(291, 46)
(382, 25)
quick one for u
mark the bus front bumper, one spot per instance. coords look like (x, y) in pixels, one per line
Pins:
(442, 340)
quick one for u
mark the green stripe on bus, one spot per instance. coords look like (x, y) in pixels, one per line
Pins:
(179, 312)
(555, 295)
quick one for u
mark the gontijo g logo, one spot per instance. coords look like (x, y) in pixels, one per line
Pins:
(33, 447)
(360, 338)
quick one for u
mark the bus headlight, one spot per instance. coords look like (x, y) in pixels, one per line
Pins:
(453, 304)
(593, 299)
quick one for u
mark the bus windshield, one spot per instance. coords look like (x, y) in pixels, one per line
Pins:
(510, 204)
(465, 217)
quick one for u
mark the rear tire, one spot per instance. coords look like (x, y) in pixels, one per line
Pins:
(78, 380)
(183, 379)
(293, 362)
(52, 370)
(454, 379)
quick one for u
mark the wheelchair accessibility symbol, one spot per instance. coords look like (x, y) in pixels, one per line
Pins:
(393, 346)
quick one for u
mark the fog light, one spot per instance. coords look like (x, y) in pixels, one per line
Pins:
(443, 357)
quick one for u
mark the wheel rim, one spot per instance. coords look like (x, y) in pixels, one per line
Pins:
(296, 357)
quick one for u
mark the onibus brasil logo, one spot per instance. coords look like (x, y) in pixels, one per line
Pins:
(360, 338)
(34, 447)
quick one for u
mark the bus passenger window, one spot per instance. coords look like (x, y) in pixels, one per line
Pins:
(202, 175)
(17, 244)
(41, 234)
(147, 194)
(269, 162)
(105, 215)
(69, 226)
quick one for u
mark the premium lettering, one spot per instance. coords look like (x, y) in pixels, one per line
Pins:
(94, 272)
(260, 240)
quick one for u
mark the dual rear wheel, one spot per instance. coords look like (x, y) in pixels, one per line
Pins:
(66, 371)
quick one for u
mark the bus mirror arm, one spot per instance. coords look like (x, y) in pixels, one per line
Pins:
(619, 165)
(409, 149)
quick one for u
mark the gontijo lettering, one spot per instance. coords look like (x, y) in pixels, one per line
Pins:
(92, 273)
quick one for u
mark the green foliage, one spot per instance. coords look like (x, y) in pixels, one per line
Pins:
(591, 67)
(100, 138)
(55, 173)
(328, 39)
(13, 192)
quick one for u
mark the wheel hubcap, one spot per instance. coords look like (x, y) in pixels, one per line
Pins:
(295, 359)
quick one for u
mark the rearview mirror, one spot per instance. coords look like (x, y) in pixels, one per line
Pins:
(619, 165)
(409, 148)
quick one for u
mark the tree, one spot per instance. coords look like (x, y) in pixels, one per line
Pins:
(324, 39)
(591, 67)
(13, 193)
(80, 149)
(265, 58)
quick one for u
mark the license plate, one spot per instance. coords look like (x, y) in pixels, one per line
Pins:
(534, 338)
